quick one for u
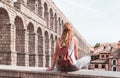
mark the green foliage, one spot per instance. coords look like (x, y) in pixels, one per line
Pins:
(97, 45)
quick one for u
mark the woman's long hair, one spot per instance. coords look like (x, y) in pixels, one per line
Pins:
(66, 36)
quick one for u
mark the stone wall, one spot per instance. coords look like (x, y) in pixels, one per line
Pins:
(37, 72)
(28, 31)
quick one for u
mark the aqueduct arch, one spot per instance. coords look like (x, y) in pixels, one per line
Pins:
(28, 31)
(20, 41)
(5, 37)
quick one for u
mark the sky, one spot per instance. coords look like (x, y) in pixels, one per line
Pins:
(98, 21)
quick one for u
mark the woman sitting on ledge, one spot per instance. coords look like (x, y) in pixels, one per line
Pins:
(69, 41)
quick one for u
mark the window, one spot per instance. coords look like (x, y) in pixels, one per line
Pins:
(102, 56)
(103, 66)
(104, 47)
(96, 66)
(114, 61)
(98, 56)
(107, 56)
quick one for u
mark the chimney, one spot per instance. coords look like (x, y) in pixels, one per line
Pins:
(118, 44)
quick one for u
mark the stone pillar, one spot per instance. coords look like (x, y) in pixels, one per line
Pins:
(36, 6)
(47, 52)
(32, 49)
(40, 8)
(50, 50)
(26, 48)
(7, 43)
(31, 4)
(47, 19)
(40, 11)
(57, 27)
(44, 61)
(41, 53)
(36, 50)
(13, 46)
(106, 67)
(99, 66)
(53, 24)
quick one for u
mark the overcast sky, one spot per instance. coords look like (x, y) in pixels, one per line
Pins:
(96, 20)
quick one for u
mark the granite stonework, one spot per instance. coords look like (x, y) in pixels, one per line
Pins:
(28, 31)
(39, 72)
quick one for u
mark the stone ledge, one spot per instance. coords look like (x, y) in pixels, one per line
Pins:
(37, 72)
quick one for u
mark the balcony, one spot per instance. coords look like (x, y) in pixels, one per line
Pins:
(38, 72)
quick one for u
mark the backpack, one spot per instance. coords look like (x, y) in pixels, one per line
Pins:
(64, 60)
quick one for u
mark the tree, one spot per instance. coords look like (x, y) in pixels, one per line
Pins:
(97, 45)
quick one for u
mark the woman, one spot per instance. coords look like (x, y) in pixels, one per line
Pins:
(67, 39)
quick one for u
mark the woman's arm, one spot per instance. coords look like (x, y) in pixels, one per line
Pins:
(54, 58)
(76, 47)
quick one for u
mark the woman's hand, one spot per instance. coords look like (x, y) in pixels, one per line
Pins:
(49, 69)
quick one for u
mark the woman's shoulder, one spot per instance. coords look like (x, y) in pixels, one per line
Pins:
(74, 38)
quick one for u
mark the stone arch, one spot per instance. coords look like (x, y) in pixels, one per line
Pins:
(20, 41)
(5, 36)
(47, 48)
(46, 11)
(39, 7)
(114, 62)
(51, 19)
(59, 24)
(56, 37)
(40, 47)
(52, 46)
(31, 4)
(31, 44)
(4, 17)
(30, 27)
(55, 22)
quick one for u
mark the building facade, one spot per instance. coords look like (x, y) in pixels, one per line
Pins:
(28, 31)
(106, 57)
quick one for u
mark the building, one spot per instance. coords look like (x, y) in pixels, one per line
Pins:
(28, 30)
(106, 57)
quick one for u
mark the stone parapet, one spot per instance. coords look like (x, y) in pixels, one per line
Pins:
(37, 72)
